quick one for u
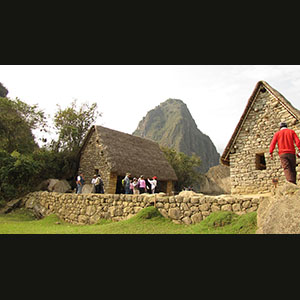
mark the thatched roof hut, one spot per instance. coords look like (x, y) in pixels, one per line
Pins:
(113, 153)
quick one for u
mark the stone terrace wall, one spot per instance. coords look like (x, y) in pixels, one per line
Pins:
(187, 208)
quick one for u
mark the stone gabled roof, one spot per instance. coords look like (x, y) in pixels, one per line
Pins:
(128, 153)
(259, 86)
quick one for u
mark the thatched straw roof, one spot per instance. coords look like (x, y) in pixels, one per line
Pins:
(260, 85)
(128, 153)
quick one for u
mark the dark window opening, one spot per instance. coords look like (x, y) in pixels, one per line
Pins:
(263, 90)
(260, 161)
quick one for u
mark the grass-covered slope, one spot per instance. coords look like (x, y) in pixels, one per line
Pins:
(147, 221)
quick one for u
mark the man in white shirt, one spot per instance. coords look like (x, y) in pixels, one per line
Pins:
(93, 183)
(79, 182)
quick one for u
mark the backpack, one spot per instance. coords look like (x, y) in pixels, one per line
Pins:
(101, 183)
(123, 182)
(97, 181)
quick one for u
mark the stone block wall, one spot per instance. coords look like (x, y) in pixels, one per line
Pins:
(189, 208)
(92, 158)
(254, 138)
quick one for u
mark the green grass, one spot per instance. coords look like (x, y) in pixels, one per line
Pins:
(147, 221)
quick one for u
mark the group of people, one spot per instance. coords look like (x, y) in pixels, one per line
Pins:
(97, 182)
(131, 185)
(139, 185)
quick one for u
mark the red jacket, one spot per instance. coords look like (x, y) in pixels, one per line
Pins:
(285, 139)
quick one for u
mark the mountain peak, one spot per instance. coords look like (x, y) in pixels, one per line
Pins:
(172, 125)
(173, 100)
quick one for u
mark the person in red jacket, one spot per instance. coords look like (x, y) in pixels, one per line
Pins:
(285, 138)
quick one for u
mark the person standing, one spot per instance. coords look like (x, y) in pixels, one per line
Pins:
(135, 186)
(99, 186)
(131, 187)
(285, 138)
(93, 183)
(127, 183)
(80, 183)
(142, 184)
(153, 183)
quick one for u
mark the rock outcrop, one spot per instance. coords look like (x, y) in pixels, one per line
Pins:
(54, 185)
(217, 180)
(280, 213)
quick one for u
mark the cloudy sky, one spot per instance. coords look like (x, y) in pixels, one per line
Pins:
(216, 95)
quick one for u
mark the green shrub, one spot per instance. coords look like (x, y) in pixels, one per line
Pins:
(61, 165)
(227, 222)
(219, 219)
(18, 174)
(148, 213)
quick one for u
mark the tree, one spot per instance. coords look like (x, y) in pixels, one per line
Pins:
(17, 120)
(31, 114)
(72, 125)
(19, 173)
(3, 90)
(60, 165)
(184, 167)
(15, 134)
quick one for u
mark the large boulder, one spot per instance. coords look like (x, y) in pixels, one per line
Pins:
(219, 179)
(280, 213)
(209, 186)
(62, 186)
(11, 205)
(88, 188)
(187, 193)
(215, 182)
(43, 186)
(52, 183)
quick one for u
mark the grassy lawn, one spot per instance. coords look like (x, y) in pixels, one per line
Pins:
(147, 221)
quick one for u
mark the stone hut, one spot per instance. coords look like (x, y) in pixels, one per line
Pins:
(247, 152)
(113, 153)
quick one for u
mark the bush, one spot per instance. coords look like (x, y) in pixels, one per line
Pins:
(184, 166)
(148, 213)
(61, 165)
(15, 130)
(21, 173)
(219, 219)
(18, 173)
(228, 222)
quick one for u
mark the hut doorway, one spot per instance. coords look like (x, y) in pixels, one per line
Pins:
(119, 187)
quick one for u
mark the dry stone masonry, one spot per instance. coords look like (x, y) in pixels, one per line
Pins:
(185, 208)
(250, 150)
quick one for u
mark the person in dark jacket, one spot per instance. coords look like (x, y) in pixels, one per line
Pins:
(99, 186)
(285, 138)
